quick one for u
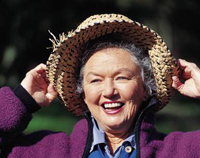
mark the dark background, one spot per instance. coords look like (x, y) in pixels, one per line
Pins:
(24, 26)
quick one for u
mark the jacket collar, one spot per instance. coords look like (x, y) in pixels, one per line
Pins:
(142, 119)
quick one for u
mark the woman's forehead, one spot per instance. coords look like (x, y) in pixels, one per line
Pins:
(111, 58)
(109, 54)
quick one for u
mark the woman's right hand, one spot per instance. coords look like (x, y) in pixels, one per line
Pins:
(38, 87)
(191, 76)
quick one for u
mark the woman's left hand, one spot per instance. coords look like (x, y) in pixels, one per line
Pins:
(190, 73)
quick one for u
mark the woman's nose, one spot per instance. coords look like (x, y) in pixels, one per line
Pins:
(109, 89)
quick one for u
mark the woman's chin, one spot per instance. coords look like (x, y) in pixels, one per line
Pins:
(114, 126)
(113, 121)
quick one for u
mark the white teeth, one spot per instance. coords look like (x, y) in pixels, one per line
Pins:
(112, 105)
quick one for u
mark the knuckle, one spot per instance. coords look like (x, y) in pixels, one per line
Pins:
(28, 73)
(194, 65)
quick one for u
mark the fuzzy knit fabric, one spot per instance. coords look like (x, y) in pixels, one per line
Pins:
(14, 118)
(15, 115)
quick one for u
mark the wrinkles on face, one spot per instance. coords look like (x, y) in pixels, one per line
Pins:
(111, 77)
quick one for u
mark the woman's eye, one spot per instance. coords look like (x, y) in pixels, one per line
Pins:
(122, 78)
(95, 81)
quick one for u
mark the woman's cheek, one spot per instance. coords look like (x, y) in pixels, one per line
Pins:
(92, 94)
(129, 91)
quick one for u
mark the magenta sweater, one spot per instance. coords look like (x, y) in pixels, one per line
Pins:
(15, 115)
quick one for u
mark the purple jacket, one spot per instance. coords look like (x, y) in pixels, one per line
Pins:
(15, 115)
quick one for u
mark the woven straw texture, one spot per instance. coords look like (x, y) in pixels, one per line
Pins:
(63, 62)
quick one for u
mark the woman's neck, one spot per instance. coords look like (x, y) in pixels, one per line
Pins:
(115, 140)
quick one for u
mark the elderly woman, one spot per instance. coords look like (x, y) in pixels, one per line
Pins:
(114, 72)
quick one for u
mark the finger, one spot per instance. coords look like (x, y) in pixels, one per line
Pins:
(45, 76)
(40, 68)
(177, 84)
(188, 69)
(186, 73)
(183, 63)
(51, 93)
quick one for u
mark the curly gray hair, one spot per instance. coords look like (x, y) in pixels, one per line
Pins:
(140, 58)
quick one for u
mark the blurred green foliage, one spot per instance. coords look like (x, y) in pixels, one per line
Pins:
(54, 118)
(24, 33)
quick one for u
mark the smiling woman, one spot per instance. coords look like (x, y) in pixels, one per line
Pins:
(114, 72)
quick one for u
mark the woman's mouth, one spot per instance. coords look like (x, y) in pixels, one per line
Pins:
(112, 108)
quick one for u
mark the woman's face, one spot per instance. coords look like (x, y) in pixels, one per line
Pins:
(113, 89)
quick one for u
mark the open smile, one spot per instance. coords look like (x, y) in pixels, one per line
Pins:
(112, 107)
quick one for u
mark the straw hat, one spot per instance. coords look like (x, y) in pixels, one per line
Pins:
(63, 63)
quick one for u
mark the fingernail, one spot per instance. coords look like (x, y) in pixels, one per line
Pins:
(174, 77)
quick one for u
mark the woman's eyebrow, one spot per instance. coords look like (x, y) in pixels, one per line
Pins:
(118, 71)
(92, 73)
(124, 70)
